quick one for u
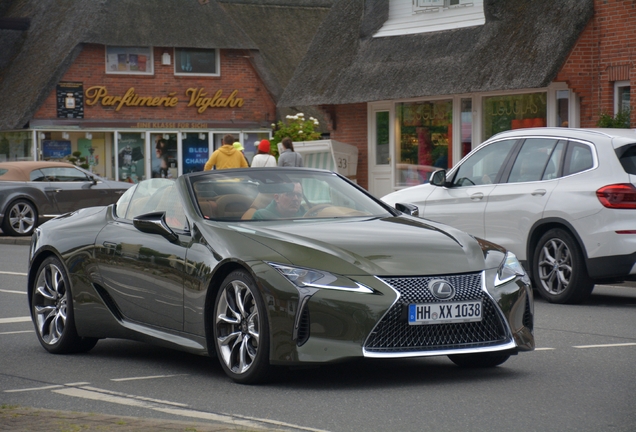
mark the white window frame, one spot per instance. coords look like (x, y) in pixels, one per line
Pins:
(217, 60)
(150, 69)
(617, 86)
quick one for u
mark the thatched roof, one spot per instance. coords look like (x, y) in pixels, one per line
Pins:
(523, 44)
(33, 61)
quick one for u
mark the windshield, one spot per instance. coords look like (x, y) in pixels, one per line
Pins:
(270, 194)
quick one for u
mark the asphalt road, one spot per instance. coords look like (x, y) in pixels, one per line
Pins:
(581, 377)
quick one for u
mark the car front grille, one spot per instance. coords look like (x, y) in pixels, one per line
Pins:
(393, 334)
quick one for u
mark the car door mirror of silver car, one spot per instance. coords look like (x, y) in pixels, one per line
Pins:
(155, 223)
(438, 178)
(408, 209)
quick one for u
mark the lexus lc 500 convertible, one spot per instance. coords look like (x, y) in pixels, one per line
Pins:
(270, 267)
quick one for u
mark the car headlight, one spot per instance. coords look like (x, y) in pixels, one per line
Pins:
(510, 269)
(304, 278)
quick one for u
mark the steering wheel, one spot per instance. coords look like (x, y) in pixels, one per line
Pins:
(313, 212)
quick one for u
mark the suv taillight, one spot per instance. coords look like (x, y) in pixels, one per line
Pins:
(618, 196)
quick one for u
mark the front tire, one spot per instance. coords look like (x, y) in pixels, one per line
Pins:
(52, 311)
(559, 269)
(481, 360)
(20, 219)
(241, 331)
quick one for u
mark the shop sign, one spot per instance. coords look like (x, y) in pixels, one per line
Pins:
(70, 100)
(197, 98)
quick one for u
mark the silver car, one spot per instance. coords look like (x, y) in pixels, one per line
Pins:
(32, 192)
(563, 200)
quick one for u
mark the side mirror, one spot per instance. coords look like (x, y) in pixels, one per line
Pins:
(408, 209)
(438, 178)
(155, 223)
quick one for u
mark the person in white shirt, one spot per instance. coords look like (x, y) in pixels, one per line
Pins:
(263, 158)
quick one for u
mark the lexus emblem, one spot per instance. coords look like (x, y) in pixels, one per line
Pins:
(441, 289)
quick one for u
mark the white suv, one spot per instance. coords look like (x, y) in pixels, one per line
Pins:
(563, 200)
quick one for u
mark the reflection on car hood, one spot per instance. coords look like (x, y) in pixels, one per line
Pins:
(378, 246)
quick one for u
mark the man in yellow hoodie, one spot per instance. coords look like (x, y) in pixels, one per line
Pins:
(226, 156)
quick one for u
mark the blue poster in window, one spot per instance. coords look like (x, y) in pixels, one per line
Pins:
(56, 149)
(195, 153)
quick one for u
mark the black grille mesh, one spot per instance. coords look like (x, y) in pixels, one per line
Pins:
(394, 334)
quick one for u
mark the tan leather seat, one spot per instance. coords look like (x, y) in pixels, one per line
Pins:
(262, 200)
(208, 208)
(232, 206)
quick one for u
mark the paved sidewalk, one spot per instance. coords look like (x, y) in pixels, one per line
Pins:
(17, 418)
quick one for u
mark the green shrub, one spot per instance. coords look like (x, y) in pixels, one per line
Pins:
(620, 120)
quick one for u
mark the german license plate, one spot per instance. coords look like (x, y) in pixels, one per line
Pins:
(444, 313)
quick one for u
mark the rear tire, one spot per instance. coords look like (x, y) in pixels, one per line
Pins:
(481, 360)
(559, 270)
(52, 311)
(20, 219)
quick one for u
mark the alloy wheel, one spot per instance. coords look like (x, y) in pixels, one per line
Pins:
(555, 266)
(50, 304)
(22, 217)
(237, 327)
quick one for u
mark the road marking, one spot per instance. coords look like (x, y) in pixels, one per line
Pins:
(13, 273)
(544, 349)
(145, 377)
(12, 292)
(14, 332)
(46, 387)
(15, 320)
(153, 404)
(606, 345)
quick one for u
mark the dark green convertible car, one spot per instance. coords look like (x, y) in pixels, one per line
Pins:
(271, 267)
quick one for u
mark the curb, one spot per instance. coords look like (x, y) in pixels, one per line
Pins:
(19, 418)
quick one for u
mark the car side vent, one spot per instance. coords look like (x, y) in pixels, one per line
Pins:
(108, 301)
(527, 315)
(303, 327)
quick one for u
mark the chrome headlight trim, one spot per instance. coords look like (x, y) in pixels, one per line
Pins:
(308, 278)
(510, 269)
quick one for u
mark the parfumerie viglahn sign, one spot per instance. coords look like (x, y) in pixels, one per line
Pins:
(197, 97)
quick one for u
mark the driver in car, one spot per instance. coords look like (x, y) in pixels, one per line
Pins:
(284, 205)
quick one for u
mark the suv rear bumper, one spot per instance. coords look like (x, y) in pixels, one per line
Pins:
(612, 268)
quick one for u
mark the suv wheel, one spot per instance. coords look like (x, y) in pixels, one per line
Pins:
(559, 268)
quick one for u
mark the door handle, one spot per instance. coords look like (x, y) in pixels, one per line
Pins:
(539, 192)
(477, 196)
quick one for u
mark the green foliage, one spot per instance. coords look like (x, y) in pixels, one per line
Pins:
(620, 120)
(78, 160)
(296, 127)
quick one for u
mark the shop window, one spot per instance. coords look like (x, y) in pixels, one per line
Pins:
(194, 61)
(16, 146)
(195, 151)
(382, 138)
(131, 161)
(164, 163)
(129, 60)
(506, 112)
(425, 134)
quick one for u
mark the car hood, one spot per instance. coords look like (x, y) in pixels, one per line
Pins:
(377, 246)
(413, 194)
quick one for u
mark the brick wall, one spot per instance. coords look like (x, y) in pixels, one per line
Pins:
(237, 73)
(351, 128)
(605, 53)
